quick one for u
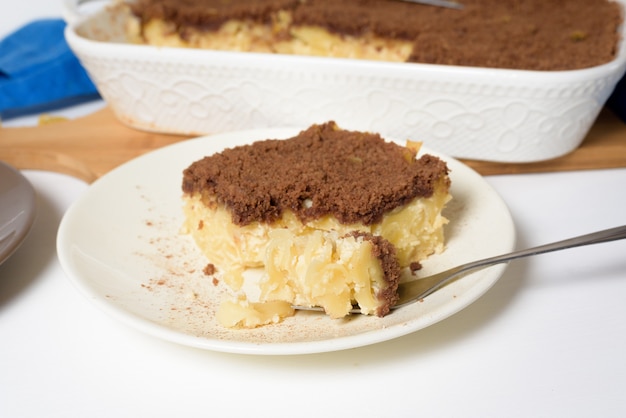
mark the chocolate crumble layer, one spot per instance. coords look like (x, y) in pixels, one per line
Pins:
(385, 252)
(209, 14)
(514, 34)
(354, 176)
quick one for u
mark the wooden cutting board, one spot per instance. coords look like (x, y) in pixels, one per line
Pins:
(91, 146)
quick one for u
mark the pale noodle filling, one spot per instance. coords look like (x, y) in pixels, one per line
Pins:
(310, 264)
(277, 37)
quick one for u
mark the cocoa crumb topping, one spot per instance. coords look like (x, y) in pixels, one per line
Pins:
(354, 176)
(209, 14)
(523, 34)
(519, 34)
(385, 252)
(415, 266)
(209, 269)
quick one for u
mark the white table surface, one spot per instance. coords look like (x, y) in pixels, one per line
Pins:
(548, 340)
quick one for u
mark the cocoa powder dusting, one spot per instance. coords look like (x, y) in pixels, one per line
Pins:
(354, 176)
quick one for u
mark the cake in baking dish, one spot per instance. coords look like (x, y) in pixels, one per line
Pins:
(331, 216)
(529, 34)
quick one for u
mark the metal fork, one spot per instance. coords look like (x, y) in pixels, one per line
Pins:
(439, 3)
(418, 289)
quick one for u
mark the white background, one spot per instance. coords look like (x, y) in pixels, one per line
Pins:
(548, 340)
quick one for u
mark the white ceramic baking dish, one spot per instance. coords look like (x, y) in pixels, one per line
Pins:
(475, 113)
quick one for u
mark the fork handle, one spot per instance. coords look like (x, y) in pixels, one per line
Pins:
(607, 235)
(428, 285)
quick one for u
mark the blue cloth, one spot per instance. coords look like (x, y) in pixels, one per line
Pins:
(38, 71)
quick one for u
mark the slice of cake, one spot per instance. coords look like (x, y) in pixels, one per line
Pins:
(320, 269)
(533, 34)
(326, 189)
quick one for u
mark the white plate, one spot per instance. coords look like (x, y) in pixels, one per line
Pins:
(17, 209)
(120, 245)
